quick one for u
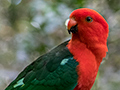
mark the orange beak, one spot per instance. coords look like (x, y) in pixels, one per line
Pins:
(71, 25)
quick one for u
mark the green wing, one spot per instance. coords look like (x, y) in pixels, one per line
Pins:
(55, 70)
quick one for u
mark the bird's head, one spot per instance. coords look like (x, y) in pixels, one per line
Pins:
(87, 25)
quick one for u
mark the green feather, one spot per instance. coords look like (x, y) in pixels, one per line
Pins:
(19, 83)
(56, 70)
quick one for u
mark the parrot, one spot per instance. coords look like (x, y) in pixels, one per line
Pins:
(74, 64)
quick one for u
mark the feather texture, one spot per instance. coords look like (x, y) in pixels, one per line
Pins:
(55, 70)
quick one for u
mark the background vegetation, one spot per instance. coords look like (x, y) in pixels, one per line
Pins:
(29, 28)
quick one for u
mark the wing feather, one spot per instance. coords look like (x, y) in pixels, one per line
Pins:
(55, 70)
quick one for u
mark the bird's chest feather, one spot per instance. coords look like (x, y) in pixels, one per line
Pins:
(87, 71)
(87, 68)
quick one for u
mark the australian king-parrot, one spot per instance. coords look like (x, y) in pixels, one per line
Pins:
(72, 65)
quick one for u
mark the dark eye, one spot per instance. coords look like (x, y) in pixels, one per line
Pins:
(89, 19)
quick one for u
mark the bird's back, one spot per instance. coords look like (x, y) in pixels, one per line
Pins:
(55, 70)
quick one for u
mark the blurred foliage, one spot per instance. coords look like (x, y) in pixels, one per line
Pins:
(114, 4)
(29, 28)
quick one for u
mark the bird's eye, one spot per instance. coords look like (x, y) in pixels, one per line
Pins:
(89, 19)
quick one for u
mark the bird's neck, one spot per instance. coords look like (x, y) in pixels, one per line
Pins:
(88, 61)
(98, 49)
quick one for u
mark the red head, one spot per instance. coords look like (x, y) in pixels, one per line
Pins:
(89, 27)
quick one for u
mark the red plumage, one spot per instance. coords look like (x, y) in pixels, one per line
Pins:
(73, 62)
(90, 40)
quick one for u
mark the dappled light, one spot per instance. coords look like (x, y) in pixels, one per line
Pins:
(30, 28)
